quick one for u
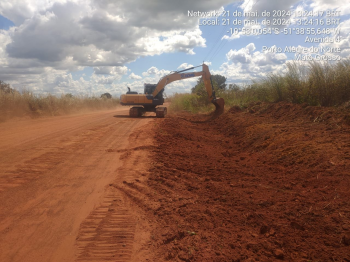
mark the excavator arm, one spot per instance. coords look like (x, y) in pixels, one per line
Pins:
(206, 76)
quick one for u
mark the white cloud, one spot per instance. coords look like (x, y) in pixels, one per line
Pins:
(268, 5)
(111, 70)
(54, 37)
(344, 43)
(246, 64)
(152, 71)
(243, 55)
(20, 10)
(155, 72)
(103, 79)
(169, 42)
(68, 35)
(184, 66)
(335, 5)
(134, 76)
(102, 33)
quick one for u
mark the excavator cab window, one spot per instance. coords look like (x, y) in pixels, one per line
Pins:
(149, 89)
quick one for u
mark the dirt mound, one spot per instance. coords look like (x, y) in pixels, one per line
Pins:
(235, 109)
(268, 182)
(289, 111)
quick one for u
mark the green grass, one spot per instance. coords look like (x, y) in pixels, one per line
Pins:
(315, 83)
(15, 104)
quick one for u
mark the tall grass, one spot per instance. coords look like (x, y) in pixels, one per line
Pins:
(15, 104)
(187, 102)
(316, 83)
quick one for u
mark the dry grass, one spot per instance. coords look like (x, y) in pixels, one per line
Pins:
(317, 84)
(15, 104)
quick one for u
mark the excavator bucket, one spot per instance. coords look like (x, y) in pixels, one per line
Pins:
(219, 105)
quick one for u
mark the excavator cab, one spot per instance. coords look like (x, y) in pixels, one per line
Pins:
(149, 89)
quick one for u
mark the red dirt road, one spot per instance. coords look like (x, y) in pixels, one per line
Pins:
(56, 203)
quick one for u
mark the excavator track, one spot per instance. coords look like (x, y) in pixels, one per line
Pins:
(161, 112)
(136, 111)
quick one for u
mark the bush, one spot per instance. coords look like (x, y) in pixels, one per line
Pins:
(106, 96)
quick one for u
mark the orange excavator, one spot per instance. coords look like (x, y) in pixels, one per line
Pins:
(152, 99)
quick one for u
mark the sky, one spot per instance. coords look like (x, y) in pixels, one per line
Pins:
(91, 47)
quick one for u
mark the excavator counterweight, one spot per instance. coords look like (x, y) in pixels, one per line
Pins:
(153, 94)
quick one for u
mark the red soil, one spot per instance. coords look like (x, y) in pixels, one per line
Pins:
(270, 182)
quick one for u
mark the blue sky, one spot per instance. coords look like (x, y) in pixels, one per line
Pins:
(76, 46)
(5, 23)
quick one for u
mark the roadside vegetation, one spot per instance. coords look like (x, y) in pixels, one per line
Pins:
(315, 84)
(16, 104)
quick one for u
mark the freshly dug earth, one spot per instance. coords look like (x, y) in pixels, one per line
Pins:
(269, 182)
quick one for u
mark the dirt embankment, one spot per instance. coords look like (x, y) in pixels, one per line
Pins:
(270, 182)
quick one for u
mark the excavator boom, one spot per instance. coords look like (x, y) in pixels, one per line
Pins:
(148, 101)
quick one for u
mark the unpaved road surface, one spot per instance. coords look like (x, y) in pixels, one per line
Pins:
(56, 198)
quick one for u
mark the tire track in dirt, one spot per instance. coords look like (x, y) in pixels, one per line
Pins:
(26, 169)
(41, 163)
(108, 232)
(111, 232)
(50, 184)
(70, 140)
